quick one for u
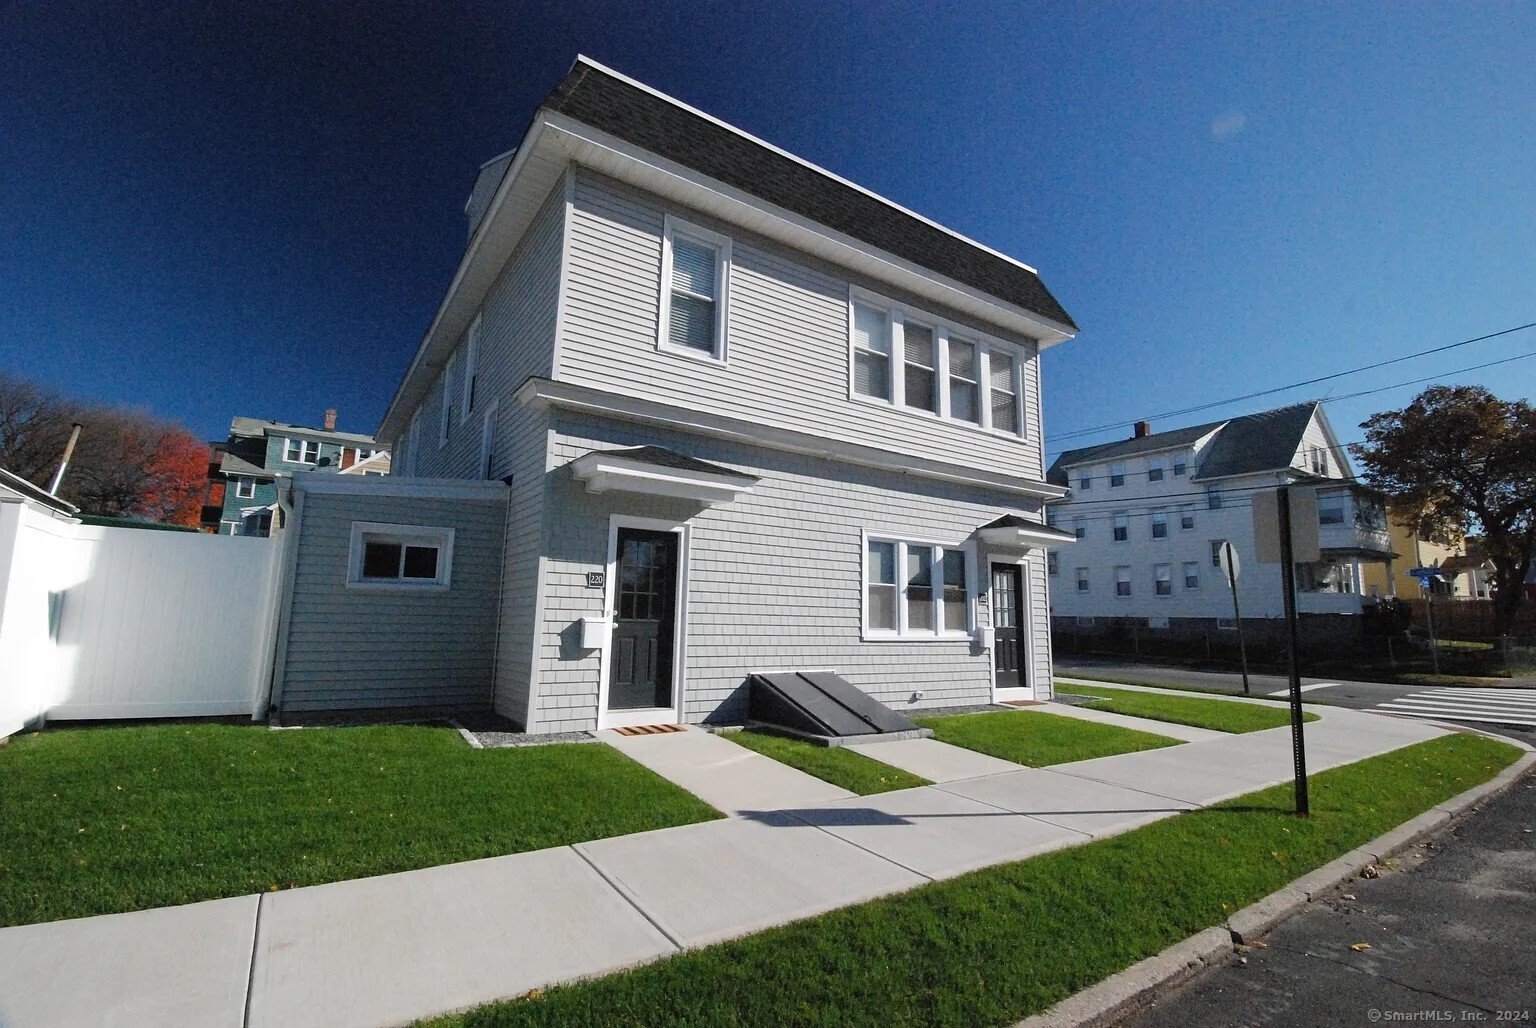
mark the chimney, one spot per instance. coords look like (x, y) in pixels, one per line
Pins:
(1143, 429)
(330, 420)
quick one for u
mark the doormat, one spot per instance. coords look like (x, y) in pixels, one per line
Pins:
(650, 730)
(1023, 703)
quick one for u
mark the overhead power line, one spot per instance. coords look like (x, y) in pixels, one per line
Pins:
(1310, 381)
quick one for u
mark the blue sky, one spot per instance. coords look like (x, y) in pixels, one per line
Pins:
(254, 209)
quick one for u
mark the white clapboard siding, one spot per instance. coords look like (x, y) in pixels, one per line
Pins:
(787, 337)
(775, 578)
(166, 624)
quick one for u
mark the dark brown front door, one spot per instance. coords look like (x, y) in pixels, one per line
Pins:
(1008, 625)
(644, 620)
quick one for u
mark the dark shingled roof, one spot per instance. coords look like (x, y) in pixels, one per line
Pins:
(1258, 442)
(612, 105)
(1255, 442)
(665, 458)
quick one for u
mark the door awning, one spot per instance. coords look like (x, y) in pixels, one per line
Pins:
(1019, 533)
(657, 471)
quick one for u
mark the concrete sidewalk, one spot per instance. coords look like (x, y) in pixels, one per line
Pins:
(391, 949)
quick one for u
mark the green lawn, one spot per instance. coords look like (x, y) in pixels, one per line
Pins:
(95, 821)
(997, 945)
(1217, 715)
(1180, 686)
(1038, 740)
(840, 765)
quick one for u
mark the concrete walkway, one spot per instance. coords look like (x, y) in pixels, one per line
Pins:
(728, 777)
(934, 760)
(390, 949)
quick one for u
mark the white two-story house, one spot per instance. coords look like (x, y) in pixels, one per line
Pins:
(692, 408)
(1150, 513)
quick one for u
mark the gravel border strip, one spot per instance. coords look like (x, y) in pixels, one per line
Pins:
(1123, 994)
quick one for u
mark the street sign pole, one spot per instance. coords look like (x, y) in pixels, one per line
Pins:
(1229, 561)
(1429, 618)
(1292, 645)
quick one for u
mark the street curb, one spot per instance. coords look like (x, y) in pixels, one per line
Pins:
(1121, 995)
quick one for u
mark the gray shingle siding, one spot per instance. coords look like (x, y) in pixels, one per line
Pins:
(787, 336)
(353, 648)
(775, 578)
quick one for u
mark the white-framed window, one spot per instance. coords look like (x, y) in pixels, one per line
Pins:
(447, 405)
(301, 451)
(1051, 565)
(1330, 510)
(1085, 480)
(1186, 518)
(471, 370)
(1191, 574)
(963, 381)
(1180, 465)
(945, 369)
(1318, 458)
(1159, 524)
(1212, 498)
(1216, 545)
(1082, 580)
(229, 528)
(916, 590)
(695, 288)
(1123, 580)
(1116, 476)
(488, 442)
(245, 487)
(1121, 528)
(1162, 579)
(1154, 469)
(409, 557)
(1079, 530)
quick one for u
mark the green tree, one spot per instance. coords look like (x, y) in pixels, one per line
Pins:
(1458, 457)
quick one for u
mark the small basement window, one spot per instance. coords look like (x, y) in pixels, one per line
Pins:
(399, 556)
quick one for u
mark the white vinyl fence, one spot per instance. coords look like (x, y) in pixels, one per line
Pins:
(103, 622)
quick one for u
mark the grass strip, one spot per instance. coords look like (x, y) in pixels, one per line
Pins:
(997, 945)
(1036, 739)
(101, 820)
(1063, 686)
(840, 765)
(1217, 715)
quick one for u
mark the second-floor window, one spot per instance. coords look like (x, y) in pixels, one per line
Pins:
(471, 370)
(1116, 475)
(1330, 511)
(694, 282)
(913, 360)
(301, 451)
(1155, 469)
(1186, 518)
(1212, 498)
(1122, 528)
(1159, 524)
(245, 488)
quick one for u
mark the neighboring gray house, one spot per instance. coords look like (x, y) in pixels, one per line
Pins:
(1150, 512)
(749, 417)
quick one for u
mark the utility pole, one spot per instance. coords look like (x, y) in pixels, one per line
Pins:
(69, 450)
(1292, 645)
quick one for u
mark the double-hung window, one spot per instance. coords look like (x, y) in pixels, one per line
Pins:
(695, 283)
(1079, 530)
(915, 590)
(1212, 498)
(1191, 574)
(1116, 475)
(1121, 528)
(1216, 545)
(1331, 511)
(1155, 469)
(488, 442)
(916, 361)
(1082, 580)
(447, 404)
(1123, 580)
(471, 370)
(1180, 465)
(920, 367)
(245, 488)
(384, 556)
(871, 351)
(1162, 579)
(1159, 524)
(1085, 480)
(1051, 565)
(301, 451)
(1186, 518)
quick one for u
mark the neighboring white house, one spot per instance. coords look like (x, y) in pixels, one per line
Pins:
(1150, 512)
(749, 416)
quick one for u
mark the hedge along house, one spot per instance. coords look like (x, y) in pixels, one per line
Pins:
(752, 418)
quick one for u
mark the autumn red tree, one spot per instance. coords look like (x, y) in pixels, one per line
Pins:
(126, 464)
(1459, 457)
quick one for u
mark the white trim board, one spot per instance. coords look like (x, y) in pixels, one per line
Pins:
(392, 485)
(541, 393)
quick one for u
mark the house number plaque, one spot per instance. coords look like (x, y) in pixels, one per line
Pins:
(597, 579)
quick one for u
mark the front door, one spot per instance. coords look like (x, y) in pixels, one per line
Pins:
(1008, 625)
(644, 620)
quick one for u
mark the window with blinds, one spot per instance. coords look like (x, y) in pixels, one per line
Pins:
(693, 302)
(920, 374)
(907, 358)
(916, 590)
(871, 352)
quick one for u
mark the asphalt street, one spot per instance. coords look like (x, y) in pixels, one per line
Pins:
(1448, 935)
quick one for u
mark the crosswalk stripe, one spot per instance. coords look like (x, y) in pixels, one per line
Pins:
(1464, 704)
(1523, 720)
(1453, 708)
(1518, 695)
